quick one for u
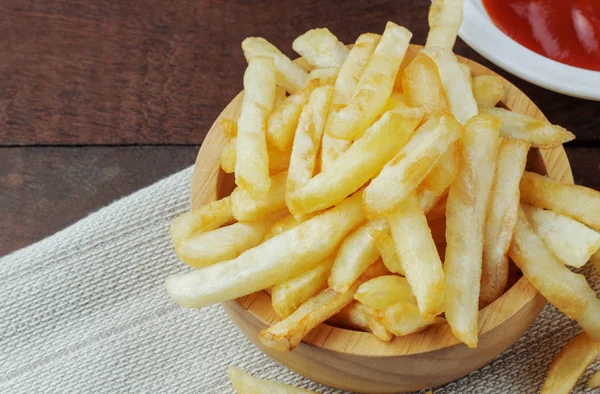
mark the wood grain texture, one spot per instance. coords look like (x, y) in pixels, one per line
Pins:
(357, 361)
(159, 72)
(43, 190)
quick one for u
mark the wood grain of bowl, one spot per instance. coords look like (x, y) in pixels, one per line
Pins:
(357, 361)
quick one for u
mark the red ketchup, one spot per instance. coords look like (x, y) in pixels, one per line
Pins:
(567, 31)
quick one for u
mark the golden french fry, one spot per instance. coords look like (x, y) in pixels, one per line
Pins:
(285, 255)
(222, 244)
(465, 215)
(488, 90)
(387, 250)
(420, 260)
(595, 259)
(244, 383)
(594, 381)
(352, 68)
(228, 156)
(423, 87)
(408, 168)
(280, 95)
(445, 17)
(501, 217)
(229, 128)
(282, 122)
(252, 158)
(404, 318)
(288, 333)
(570, 363)
(466, 71)
(307, 139)
(456, 84)
(362, 317)
(396, 102)
(358, 164)
(321, 48)
(289, 75)
(374, 87)
(384, 291)
(246, 208)
(208, 217)
(539, 133)
(331, 149)
(357, 253)
(286, 297)
(325, 76)
(286, 223)
(572, 242)
(278, 160)
(435, 184)
(577, 202)
(566, 290)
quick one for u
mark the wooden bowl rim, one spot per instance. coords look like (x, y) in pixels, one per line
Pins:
(208, 178)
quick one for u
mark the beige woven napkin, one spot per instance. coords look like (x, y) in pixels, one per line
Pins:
(84, 311)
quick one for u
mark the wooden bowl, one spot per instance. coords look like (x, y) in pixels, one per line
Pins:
(357, 361)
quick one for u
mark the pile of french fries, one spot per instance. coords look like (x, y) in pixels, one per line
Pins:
(385, 195)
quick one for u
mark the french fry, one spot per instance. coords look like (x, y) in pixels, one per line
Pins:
(572, 242)
(286, 223)
(566, 290)
(280, 95)
(288, 333)
(420, 260)
(594, 381)
(435, 185)
(595, 259)
(352, 69)
(283, 256)
(488, 90)
(225, 243)
(325, 76)
(387, 250)
(465, 215)
(423, 87)
(456, 84)
(404, 318)
(228, 156)
(577, 202)
(501, 217)
(278, 160)
(445, 17)
(362, 317)
(357, 253)
(246, 208)
(384, 291)
(289, 75)
(374, 87)
(570, 363)
(252, 158)
(244, 383)
(466, 71)
(358, 164)
(320, 48)
(396, 102)
(229, 128)
(286, 297)
(408, 168)
(208, 217)
(307, 139)
(331, 149)
(282, 122)
(539, 133)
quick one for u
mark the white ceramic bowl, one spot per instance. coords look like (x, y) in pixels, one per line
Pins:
(479, 32)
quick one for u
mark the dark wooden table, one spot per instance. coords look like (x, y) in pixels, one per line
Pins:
(101, 98)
